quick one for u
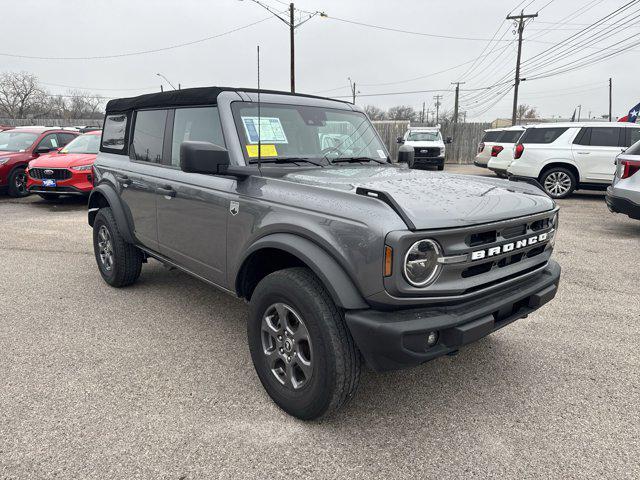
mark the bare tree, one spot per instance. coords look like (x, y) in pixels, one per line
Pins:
(526, 111)
(20, 94)
(375, 113)
(402, 112)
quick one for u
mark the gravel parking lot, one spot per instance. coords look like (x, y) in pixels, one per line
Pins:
(156, 381)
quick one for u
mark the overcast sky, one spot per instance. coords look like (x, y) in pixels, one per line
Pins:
(328, 51)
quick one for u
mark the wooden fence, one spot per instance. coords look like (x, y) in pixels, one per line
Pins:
(465, 138)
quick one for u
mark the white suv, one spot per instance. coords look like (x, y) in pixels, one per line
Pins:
(502, 151)
(484, 147)
(567, 156)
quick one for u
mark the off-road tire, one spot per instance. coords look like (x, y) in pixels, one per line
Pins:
(336, 361)
(15, 190)
(127, 258)
(440, 168)
(562, 173)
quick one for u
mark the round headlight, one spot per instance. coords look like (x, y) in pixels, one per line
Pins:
(421, 265)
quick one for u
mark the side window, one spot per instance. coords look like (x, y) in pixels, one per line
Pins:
(583, 137)
(114, 132)
(64, 138)
(199, 123)
(50, 142)
(605, 136)
(148, 135)
(542, 135)
(632, 136)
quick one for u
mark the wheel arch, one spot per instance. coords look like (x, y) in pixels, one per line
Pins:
(105, 196)
(560, 164)
(284, 250)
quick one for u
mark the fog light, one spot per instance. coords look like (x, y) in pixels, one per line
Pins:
(432, 338)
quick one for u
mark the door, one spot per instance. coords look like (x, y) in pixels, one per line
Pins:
(595, 150)
(139, 178)
(193, 208)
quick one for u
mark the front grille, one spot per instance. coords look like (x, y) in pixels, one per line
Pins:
(56, 173)
(426, 152)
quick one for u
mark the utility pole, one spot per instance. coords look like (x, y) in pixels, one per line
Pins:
(291, 23)
(292, 41)
(353, 90)
(422, 114)
(610, 99)
(579, 112)
(437, 99)
(455, 108)
(521, 22)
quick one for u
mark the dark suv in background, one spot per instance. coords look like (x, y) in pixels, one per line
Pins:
(20, 145)
(292, 203)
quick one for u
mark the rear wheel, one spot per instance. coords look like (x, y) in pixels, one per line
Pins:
(558, 182)
(18, 183)
(440, 167)
(119, 262)
(301, 348)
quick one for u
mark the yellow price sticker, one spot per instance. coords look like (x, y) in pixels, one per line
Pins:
(265, 151)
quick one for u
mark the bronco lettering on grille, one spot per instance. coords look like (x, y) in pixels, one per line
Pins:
(509, 247)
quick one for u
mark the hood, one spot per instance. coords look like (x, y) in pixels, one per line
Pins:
(436, 143)
(15, 155)
(432, 199)
(65, 160)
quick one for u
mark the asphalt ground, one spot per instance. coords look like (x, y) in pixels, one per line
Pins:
(156, 381)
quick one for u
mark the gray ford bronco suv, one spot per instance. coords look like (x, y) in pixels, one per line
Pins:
(292, 203)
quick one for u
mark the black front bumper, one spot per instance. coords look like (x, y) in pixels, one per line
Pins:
(428, 161)
(393, 340)
(622, 205)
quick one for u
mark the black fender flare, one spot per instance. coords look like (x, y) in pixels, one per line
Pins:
(113, 200)
(341, 288)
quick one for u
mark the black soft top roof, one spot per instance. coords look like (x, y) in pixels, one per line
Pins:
(184, 97)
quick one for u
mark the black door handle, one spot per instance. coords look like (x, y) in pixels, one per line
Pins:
(167, 191)
(123, 179)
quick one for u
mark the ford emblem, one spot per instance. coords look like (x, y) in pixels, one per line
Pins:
(48, 172)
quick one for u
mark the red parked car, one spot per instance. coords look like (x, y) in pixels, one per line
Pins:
(20, 145)
(67, 171)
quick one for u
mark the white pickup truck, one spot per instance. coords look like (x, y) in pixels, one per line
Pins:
(429, 147)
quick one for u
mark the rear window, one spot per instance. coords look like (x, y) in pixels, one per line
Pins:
(148, 136)
(633, 149)
(542, 135)
(113, 135)
(491, 136)
(510, 136)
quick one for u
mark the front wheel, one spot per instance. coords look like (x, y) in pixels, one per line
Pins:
(18, 183)
(119, 262)
(440, 168)
(301, 348)
(558, 182)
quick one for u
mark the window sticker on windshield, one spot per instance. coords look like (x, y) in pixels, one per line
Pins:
(271, 130)
(265, 151)
(381, 154)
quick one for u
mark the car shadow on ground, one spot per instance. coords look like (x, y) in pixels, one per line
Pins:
(68, 203)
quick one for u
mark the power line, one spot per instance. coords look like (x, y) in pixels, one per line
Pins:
(141, 52)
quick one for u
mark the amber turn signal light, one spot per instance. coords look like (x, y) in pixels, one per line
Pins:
(388, 260)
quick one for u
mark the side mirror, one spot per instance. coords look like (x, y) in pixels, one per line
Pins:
(203, 157)
(40, 150)
(400, 140)
(406, 155)
(448, 140)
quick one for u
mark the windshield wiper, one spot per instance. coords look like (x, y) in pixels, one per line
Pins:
(289, 160)
(356, 159)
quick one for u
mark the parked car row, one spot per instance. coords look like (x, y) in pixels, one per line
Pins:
(562, 157)
(49, 161)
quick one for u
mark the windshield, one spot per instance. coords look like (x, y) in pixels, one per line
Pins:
(12, 141)
(88, 143)
(424, 137)
(303, 132)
